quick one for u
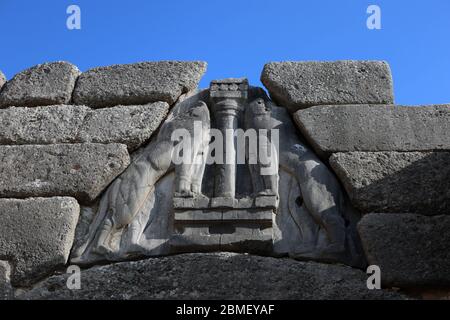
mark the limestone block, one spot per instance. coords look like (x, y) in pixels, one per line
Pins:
(138, 83)
(385, 182)
(78, 170)
(41, 85)
(37, 235)
(298, 85)
(41, 125)
(331, 129)
(411, 250)
(130, 125)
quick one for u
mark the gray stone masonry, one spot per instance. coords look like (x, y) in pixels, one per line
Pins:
(411, 250)
(41, 85)
(36, 235)
(331, 129)
(138, 83)
(299, 85)
(82, 171)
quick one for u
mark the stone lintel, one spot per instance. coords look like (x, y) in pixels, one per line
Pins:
(248, 238)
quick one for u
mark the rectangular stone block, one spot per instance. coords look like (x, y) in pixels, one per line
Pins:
(41, 85)
(138, 83)
(232, 88)
(219, 216)
(249, 215)
(197, 215)
(226, 203)
(223, 202)
(36, 235)
(411, 250)
(244, 203)
(384, 182)
(189, 241)
(191, 203)
(243, 230)
(130, 125)
(41, 125)
(266, 202)
(331, 129)
(256, 237)
(82, 171)
(299, 85)
(228, 237)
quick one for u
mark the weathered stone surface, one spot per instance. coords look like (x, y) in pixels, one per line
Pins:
(137, 83)
(87, 214)
(2, 80)
(214, 216)
(332, 129)
(130, 125)
(36, 235)
(411, 250)
(41, 85)
(78, 170)
(214, 276)
(298, 85)
(41, 125)
(135, 205)
(385, 182)
(199, 202)
(6, 290)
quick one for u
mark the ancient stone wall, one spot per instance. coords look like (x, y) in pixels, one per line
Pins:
(86, 179)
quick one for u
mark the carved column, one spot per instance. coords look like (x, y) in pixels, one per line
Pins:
(228, 97)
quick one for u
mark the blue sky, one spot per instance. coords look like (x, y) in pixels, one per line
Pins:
(236, 37)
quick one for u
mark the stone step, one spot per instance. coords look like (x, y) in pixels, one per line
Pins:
(226, 215)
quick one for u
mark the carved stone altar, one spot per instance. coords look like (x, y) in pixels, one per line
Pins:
(272, 196)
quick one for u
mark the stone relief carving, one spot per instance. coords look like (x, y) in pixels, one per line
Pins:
(314, 220)
(258, 116)
(140, 192)
(157, 208)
